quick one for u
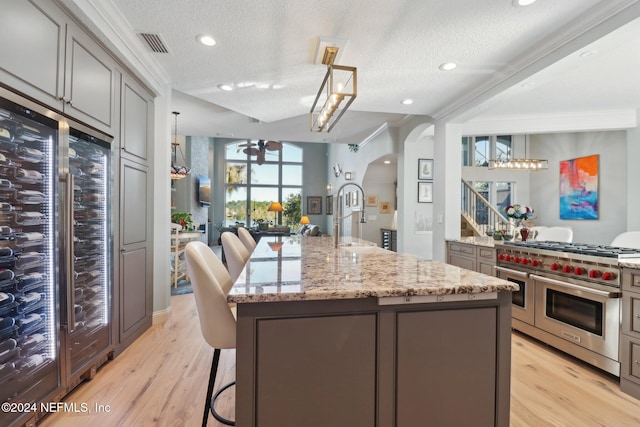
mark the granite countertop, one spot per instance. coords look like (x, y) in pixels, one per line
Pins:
(629, 263)
(296, 268)
(477, 240)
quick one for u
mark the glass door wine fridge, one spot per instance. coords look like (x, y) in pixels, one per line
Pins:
(55, 256)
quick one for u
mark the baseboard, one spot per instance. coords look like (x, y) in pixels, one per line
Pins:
(161, 316)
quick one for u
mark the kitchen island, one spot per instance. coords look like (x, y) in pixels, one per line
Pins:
(361, 336)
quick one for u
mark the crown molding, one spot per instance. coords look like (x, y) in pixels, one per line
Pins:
(107, 24)
(592, 25)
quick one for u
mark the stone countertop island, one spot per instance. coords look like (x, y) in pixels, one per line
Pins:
(361, 336)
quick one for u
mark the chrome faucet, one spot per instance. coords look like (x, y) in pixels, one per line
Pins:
(336, 222)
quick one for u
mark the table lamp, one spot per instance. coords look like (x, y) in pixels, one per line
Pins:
(305, 220)
(275, 207)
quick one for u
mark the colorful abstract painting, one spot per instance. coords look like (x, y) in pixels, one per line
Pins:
(579, 188)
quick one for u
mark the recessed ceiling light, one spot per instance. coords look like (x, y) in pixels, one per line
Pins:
(587, 53)
(245, 84)
(523, 2)
(387, 162)
(206, 40)
(527, 85)
(226, 87)
(448, 66)
(407, 101)
(277, 86)
(262, 85)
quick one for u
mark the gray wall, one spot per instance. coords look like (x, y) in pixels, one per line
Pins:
(196, 149)
(545, 187)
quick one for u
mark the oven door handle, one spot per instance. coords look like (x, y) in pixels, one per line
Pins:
(577, 287)
(514, 272)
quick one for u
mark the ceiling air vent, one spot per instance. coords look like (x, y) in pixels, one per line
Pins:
(155, 42)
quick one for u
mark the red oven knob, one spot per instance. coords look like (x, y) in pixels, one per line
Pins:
(507, 257)
(535, 262)
(567, 269)
(607, 275)
(501, 257)
(517, 260)
(555, 266)
(525, 261)
(578, 271)
(594, 274)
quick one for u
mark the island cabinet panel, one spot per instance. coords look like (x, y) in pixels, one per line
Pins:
(456, 360)
(328, 364)
(374, 362)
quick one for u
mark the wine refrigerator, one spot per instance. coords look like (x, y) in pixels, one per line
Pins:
(55, 256)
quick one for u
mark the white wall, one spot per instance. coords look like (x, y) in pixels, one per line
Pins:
(544, 185)
(357, 163)
(415, 220)
(633, 178)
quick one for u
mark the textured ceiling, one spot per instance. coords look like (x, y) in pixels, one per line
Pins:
(397, 46)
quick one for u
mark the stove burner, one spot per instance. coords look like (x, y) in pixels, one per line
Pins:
(578, 248)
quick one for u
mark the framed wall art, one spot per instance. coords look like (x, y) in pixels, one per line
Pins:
(425, 168)
(425, 192)
(579, 188)
(372, 200)
(385, 207)
(314, 205)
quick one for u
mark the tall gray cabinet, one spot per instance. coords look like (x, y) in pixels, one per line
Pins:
(134, 293)
(49, 57)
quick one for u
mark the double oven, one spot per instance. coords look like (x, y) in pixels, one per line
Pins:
(569, 300)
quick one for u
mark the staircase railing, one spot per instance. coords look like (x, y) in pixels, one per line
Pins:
(479, 213)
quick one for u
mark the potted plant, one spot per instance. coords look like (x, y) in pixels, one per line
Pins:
(184, 219)
(263, 225)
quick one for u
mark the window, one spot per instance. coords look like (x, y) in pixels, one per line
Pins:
(251, 187)
(478, 150)
(482, 152)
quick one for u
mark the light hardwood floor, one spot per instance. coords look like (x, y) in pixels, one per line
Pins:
(161, 379)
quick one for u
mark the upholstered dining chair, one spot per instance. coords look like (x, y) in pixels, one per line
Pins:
(628, 239)
(556, 234)
(247, 239)
(235, 253)
(217, 322)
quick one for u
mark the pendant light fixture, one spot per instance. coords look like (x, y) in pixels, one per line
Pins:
(337, 91)
(532, 165)
(177, 172)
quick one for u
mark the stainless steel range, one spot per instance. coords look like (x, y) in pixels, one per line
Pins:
(569, 296)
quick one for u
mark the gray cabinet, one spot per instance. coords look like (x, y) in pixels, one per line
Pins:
(137, 121)
(134, 295)
(453, 360)
(367, 362)
(472, 257)
(389, 239)
(58, 63)
(630, 333)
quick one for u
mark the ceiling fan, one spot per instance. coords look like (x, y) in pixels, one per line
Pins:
(262, 148)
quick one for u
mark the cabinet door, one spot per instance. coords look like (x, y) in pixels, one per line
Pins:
(329, 368)
(90, 81)
(32, 61)
(486, 268)
(137, 121)
(457, 362)
(462, 262)
(135, 292)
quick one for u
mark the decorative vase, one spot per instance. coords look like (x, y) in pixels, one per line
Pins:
(524, 233)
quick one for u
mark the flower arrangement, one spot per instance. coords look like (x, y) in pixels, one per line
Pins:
(518, 213)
